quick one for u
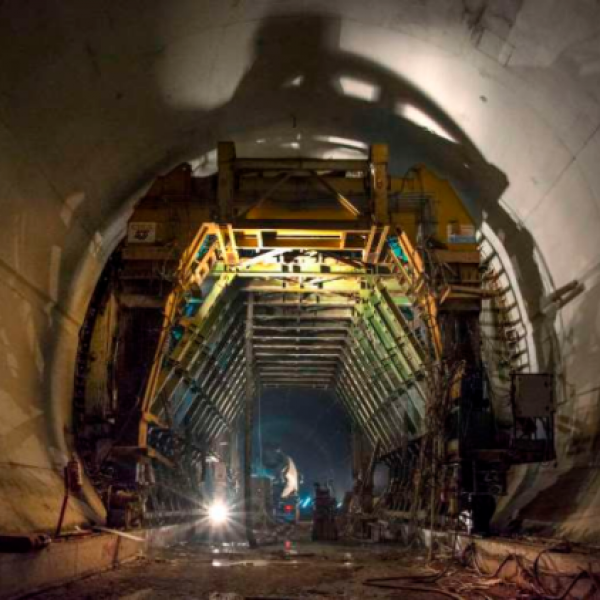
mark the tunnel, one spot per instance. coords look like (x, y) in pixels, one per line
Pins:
(211, 207)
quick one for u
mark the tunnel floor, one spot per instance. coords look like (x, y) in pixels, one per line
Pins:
(231, 571)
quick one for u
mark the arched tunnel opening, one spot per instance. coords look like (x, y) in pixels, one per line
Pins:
(303, 291)
(274, 276)
(324, 279)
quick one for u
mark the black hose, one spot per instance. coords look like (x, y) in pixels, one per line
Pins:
(424, 578)
(534, 573)
(409, 588)
(387, 583)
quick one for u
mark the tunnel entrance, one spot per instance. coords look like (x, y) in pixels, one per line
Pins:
(305, 276)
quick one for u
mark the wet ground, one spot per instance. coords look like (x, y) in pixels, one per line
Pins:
(303, 570)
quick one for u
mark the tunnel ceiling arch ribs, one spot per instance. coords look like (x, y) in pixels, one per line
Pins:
(77, 77)
(311, 278)
(318, 274)
(340, 329)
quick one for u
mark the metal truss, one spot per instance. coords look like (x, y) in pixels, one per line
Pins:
(293, 319)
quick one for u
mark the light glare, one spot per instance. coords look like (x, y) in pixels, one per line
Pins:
(341, 141)
(363, 90)
(218, 513)
(418, 117)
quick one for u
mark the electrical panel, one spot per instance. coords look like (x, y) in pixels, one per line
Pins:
(532, 395)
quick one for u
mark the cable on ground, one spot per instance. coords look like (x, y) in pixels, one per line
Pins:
(533, 574)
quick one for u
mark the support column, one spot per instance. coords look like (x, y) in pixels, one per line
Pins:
(379, 182)
(249, 423)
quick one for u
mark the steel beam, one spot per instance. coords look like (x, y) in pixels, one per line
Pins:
(249, 423)
(261, 317)
(284, 359)
(310, 304)
(284, 346)
(295, 338)
(296, 385)
(301, 328)
(260, 355)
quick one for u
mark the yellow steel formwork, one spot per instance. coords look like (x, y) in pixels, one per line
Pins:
(355, 234)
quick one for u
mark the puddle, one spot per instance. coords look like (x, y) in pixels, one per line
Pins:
(348, 560)
(241, 563)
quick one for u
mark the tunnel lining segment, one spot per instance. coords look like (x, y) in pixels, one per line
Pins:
(343, 300)
(350, 278)
(324, 353)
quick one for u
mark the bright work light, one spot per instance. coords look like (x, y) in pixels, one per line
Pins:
(218, 513)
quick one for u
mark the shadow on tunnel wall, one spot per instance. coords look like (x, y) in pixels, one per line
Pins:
(306, 49)
(292, 89)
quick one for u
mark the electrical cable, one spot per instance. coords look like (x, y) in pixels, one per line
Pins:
(575, 577)
(381, 584)
(534, 573)
(533, 578)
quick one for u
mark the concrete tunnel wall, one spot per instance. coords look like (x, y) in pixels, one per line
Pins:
(97, 98)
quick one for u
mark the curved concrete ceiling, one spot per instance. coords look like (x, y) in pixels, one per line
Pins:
(97, 98)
